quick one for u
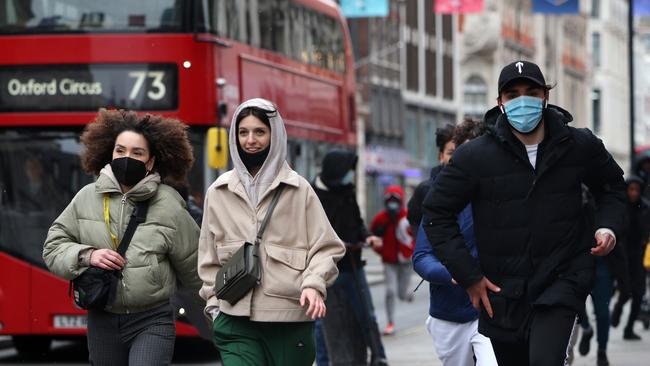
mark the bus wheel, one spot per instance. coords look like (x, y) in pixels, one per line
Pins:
(32, 347)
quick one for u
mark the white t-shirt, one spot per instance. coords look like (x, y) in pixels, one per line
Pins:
(532, 154)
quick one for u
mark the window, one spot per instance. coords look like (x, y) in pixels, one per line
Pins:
(595, 110)
(412, 67)
(65, 16)
(475, 97)
(595, 56)
(281, 26)
(595, 8)
(447, 77)
(40, 172)
(446, 27)
(412, 13)
(431, 72)
(429, 18)
(228, 19)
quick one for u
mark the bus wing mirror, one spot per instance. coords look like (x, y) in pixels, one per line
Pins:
(217, 148)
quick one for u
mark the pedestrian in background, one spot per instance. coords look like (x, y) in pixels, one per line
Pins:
(446, 148)
(395, 249)
(523, 179)
(634, 241)
(453, 321)
(273, 323)
(350, 326)
(131, 154)
(609, 268)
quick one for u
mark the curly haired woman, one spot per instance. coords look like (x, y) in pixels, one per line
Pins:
(131, 154)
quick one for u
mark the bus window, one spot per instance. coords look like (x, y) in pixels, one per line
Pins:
(40, 172)
(60, 16)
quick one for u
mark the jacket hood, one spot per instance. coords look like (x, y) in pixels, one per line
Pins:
(335, 165)
(257, 186)
(638, 161)
(635, 179)
(143, 190)
(394, 191)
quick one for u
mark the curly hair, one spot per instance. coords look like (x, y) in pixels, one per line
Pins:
(444, 135)
(467, 130)
(167, 139)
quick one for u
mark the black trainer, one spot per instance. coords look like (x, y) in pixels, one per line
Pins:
(602, 358)
(585, 341)
(616, 315)
(629, 335)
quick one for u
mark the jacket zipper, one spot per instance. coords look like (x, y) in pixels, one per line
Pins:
(123, 203)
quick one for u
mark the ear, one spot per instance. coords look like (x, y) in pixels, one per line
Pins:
(150, 164)
(500, 104)
(546, 93)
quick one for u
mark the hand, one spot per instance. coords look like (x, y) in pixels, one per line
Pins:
(478, 294)
(605, 243)
(375, 242)
(107, 259)
(316, 305)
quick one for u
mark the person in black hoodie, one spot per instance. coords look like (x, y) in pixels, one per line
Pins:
(446, 147)
(634, 240)
(523, 179)
(641, 168)
(350, 326)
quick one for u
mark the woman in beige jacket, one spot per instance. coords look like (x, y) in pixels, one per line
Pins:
(273, 323)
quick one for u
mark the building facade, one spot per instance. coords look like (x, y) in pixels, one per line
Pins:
(407, 72)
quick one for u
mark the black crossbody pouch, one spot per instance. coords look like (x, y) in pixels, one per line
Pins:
(95, 288)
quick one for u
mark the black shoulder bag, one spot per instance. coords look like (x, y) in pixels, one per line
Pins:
(243, 271)
(95, 287)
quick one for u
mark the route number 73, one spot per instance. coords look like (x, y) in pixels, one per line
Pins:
(158, 87)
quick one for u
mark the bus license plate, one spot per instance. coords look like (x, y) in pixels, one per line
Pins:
(70, 321)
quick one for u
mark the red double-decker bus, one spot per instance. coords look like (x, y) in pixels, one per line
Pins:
(192, 60)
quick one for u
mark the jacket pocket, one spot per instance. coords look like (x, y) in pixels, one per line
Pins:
(225, 252)
(282, 273)
(510, 306)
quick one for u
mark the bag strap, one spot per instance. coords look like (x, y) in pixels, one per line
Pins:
(269, 211)
(139, 215)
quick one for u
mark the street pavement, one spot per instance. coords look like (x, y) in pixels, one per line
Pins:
(410, 345)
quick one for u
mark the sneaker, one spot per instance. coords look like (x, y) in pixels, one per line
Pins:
(390, 329)
(616, 316)
(585, 341)
(602, 359)
(629, 335)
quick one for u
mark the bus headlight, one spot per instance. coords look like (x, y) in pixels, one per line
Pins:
(181, 311)
(187, 64)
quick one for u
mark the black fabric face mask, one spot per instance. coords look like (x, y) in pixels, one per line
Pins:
(128, 171)
(253, 160)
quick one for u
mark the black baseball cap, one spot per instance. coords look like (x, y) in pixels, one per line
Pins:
(521, 70)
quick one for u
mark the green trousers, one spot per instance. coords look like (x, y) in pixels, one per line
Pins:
(242, 342)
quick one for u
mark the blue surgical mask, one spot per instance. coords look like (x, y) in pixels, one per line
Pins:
(348, 178)
(524, 113)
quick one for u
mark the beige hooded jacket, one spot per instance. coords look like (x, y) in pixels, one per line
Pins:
(299, 248)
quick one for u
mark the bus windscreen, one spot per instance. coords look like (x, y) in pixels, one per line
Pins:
(40, 172)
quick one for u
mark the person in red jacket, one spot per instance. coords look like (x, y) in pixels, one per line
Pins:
(392, 226)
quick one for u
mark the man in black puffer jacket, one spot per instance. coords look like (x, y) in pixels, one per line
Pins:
(523, 179)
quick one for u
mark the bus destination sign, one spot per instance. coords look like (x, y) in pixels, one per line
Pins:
(87, 87)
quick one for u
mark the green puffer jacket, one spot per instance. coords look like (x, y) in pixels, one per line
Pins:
(162, 249)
